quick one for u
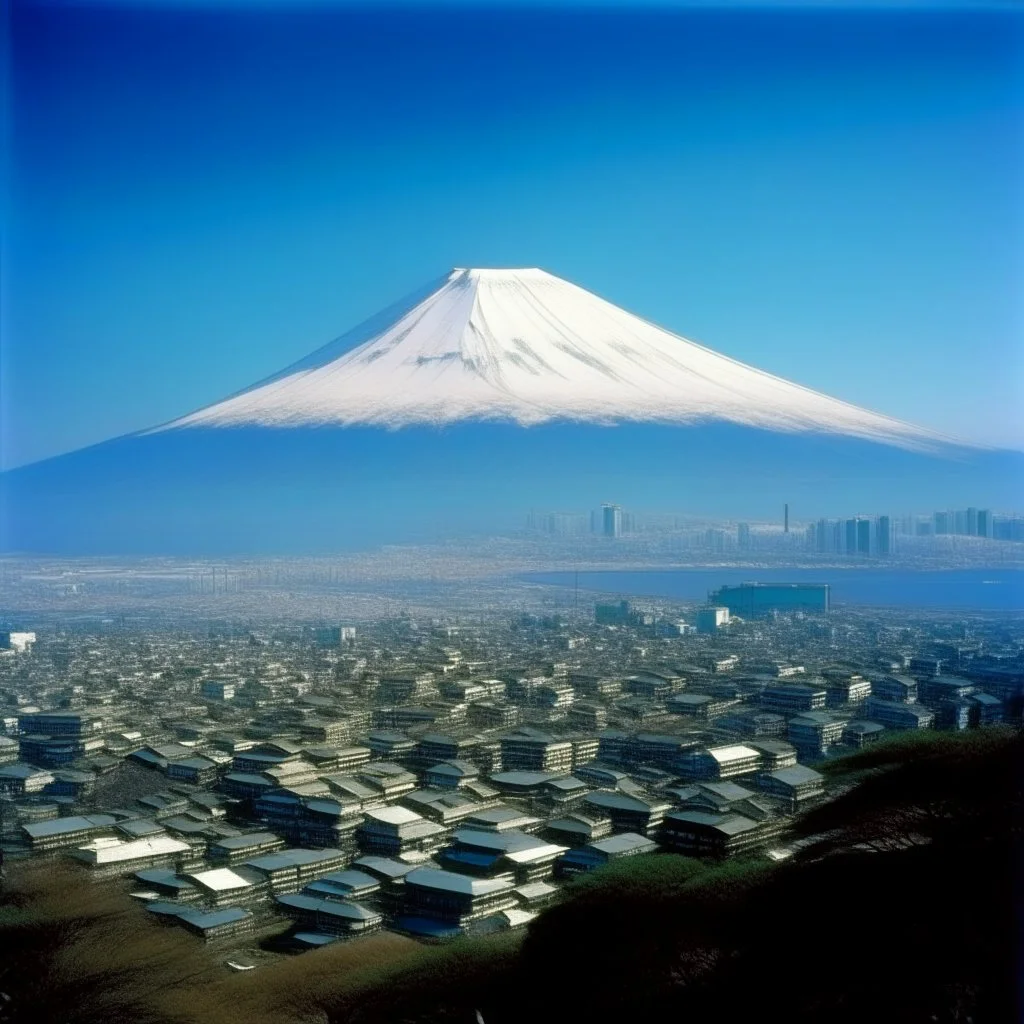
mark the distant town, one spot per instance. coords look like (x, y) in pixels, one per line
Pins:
(860, 535)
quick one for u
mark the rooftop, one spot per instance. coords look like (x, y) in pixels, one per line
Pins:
(113, 851)
(221, 879)
(735, 752)
(393, 815)
(433, 878)
(61, 826)
(625, 842)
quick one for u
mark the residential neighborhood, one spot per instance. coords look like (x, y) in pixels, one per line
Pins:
(301, 784)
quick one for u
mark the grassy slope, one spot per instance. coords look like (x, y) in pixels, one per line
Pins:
(921, 930)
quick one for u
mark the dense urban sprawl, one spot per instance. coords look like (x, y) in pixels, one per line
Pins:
(299, 784)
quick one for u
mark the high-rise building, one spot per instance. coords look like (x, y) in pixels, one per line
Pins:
(561, 524)
(863, 536)
(883, 536)
(828, 536)
(851, 536)
(743, 536)
(611, 520)
(960, 522)
(785, 518)
(1008, 528)
(715, 540)
(972, 522)
(984, 522)
(821, 536)
(941, 523)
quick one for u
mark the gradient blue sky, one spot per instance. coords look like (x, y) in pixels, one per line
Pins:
(198, 196)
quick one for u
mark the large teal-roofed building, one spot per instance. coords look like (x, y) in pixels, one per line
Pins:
(750, 600)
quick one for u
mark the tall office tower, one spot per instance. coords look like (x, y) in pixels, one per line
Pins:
(563, 524)
(715, 539)
(941, 521)
(611, 520)
(837, 535)
(984, 522)
(822, 536)
(883, 536)
(960, 522)
(972, 522)
(743, 536)
(851, 536)
(812, 537)
(785, 518)
(863, 536)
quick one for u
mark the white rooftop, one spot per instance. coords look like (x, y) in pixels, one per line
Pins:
(393, 815)
(112, 851)
(736, 752)
(220, 879)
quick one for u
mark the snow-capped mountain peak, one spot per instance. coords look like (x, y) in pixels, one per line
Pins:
(524, 346)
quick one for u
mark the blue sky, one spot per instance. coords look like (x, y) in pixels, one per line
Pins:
(199, 196)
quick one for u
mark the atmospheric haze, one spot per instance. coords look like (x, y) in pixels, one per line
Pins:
(480, 396)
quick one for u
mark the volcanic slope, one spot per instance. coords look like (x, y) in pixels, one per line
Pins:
(528, 347)
(484, 395)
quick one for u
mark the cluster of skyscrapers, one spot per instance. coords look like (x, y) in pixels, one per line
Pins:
(965, 522)
(607, 521)
(864, 536)
(968, 522)
(876, 535)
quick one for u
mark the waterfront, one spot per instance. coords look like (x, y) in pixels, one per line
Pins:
(969, 589)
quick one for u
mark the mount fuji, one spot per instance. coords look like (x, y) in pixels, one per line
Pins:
(526, 347)
(482, 395)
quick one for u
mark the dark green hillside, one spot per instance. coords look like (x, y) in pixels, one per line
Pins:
(901, 905)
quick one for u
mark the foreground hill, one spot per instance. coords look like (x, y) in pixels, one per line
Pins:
(903, 907)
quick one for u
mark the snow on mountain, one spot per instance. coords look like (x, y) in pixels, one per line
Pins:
(526, 347)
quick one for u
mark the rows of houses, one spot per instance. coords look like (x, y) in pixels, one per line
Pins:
(441, 781)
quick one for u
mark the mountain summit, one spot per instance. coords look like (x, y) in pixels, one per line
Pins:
(483, 395)
(527, 347)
